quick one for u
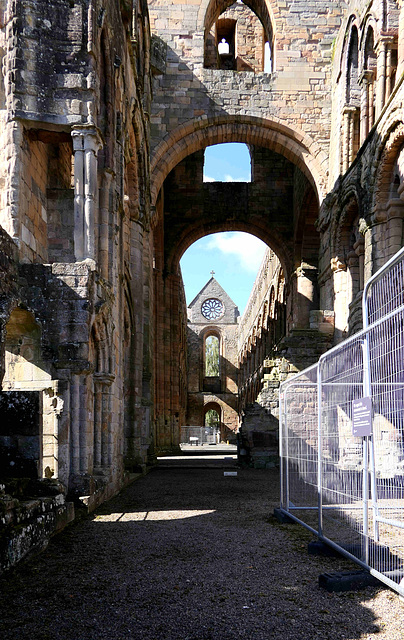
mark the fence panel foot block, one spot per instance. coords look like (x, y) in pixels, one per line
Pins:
(347, 581)
(282, 517)
(320, 548)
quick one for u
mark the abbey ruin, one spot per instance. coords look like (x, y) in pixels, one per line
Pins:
(106, 108)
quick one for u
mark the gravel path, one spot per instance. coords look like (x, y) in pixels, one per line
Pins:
(188, 554)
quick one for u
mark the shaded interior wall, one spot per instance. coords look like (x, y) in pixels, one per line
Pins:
(20, 433)
(46, 198)
(169, 342)
(34, 179)
(264, 206)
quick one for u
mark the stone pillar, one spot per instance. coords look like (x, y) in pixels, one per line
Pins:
(104, 241)
(86, 143)
(97, 421)
(383, 88)
(340, 298)
(348, 136)
(359, 248)
(395, 215)
(306, 283)
(366, 119)
(103, 445)
(400, 65)
(381, 52)
(75, 424)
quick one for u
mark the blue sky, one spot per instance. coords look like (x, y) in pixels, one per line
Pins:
(228, 162)
(235, 257)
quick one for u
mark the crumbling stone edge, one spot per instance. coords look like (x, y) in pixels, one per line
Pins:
(28, 522)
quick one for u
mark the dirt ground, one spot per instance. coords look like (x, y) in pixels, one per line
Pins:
(189, 554)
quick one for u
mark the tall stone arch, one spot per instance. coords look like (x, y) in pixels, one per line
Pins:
(294, 145)
(209, 10)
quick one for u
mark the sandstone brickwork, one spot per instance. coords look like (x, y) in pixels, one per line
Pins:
(218, 393)
(106, 108)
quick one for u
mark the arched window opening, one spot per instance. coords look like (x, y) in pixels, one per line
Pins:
(212, 357)
(368, 89)
(351, 112)
(391, 69)
(211, 364)
(212, 418)
(267, 58)
(227, 162)
(238, 40)
(352, 87)
(226, 43)
(212, 425)
(26, 415)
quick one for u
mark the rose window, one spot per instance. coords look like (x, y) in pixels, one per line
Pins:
(212, 309)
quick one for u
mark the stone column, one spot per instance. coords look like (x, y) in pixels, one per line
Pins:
(305, 287)
(97, 421)
(103, 444)
(338, 269)
(348, 136)
(75, 424)
(395, 215)
(366, 119)
(400, 65)
(381, 52)
(359, 248)
(86, 143)
(383, 88)
(104, 242)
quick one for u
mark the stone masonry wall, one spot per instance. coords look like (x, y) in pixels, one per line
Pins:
(297, 93)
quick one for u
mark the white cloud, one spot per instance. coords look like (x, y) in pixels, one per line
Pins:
(229, 178)
(247, 249)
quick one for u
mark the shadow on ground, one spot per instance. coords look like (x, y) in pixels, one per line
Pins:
(183, 554)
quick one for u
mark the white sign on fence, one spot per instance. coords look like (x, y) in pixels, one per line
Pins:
(362, 417)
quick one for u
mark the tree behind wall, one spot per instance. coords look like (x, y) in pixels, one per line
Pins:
(212, 357)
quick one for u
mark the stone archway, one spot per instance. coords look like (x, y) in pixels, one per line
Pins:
(279, 206)
(294, 145)
(209, 10)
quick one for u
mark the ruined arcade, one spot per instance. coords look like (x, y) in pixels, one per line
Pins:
(106, 108)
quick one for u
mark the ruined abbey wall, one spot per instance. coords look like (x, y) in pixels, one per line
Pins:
(106, 107)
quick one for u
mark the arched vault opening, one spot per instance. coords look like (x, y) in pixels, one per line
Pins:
(294, 145)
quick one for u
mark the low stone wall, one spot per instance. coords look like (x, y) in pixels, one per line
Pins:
(31, 512)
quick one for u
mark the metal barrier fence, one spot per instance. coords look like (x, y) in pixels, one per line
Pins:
(342, 441)
(194, 435)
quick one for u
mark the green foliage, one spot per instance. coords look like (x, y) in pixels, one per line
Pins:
(212, 356)
(211, 418)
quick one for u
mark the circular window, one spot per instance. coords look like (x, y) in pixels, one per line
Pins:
(212, 309)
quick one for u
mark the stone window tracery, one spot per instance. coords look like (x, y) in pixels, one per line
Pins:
(212, 309)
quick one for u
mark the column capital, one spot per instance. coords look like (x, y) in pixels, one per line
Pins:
(349, 108)
(366, 76)
(86, 137)
(383, 42)
(337, 265)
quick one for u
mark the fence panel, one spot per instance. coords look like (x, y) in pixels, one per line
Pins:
(299, 447)
(341, 382)
(349, 489)
(194, 435)
(384, 291)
